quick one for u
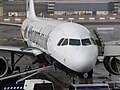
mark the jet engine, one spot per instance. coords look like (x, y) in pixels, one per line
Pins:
(112, 64)
(3, 66)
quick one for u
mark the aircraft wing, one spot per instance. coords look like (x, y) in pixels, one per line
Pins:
(27, 50)
(10, 24)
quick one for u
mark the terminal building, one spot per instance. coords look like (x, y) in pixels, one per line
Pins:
(84, 8)
(18, 8)
(63, 7)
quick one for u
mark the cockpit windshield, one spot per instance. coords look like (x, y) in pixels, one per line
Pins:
(93, 41)
(75, 42)
(86, 42)
(63, 42)
(59, 43)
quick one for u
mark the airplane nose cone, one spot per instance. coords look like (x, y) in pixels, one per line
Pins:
(84, 61)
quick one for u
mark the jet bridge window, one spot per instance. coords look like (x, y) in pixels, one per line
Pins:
(86, 42)
(75, 42)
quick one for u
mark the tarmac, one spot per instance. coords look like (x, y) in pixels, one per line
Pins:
(11, 36)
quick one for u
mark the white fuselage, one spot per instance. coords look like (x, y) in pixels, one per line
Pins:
(69, 43)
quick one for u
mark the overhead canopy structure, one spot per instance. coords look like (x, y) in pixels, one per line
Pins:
(79, 1)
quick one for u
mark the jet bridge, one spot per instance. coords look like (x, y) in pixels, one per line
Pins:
(111, 53)
(99, 42)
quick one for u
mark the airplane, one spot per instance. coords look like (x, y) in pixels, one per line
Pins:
(66, 45)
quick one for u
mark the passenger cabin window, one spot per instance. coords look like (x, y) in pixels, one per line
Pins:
(86, 42)
(74, 42)
(59, 43)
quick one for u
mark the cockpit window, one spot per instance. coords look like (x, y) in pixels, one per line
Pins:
(75, 42)
(86, 42)
(65, 42)
(59, 43)
(93, 41)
